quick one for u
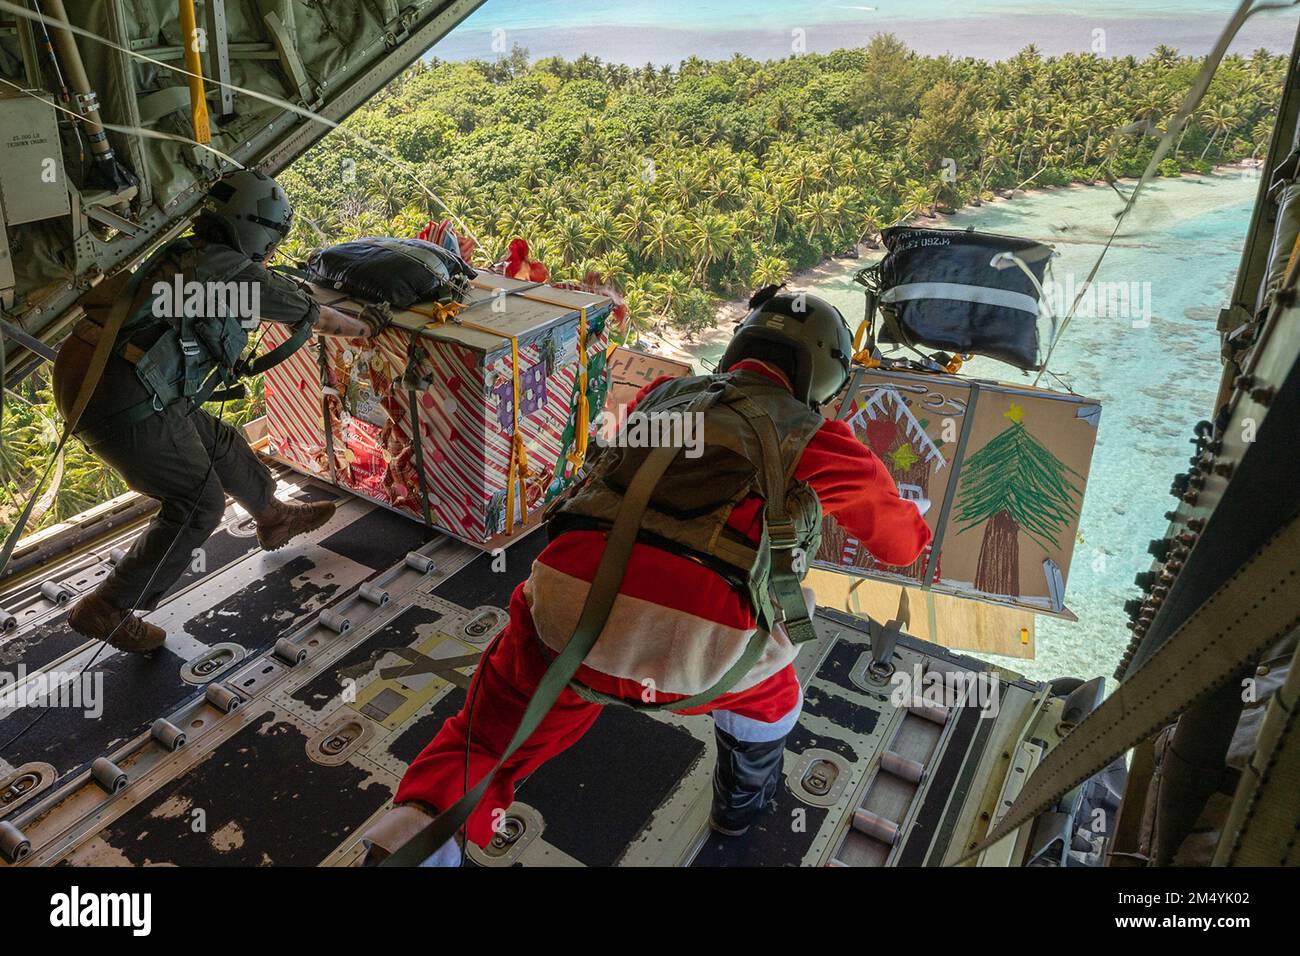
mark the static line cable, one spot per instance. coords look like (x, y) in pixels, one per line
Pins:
(130, 612)
(54, 60)
(305, 113)
(1200, 86)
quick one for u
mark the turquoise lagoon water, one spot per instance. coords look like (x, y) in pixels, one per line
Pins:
(1184, 238)
(668, 31)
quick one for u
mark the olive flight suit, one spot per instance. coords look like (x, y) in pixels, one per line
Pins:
(179, 454)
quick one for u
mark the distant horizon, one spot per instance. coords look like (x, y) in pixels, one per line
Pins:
(619, 31)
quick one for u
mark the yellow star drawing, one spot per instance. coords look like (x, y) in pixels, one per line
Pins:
(904, 458)
(1015, 413)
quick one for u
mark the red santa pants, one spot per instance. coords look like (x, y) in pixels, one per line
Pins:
(503, 684)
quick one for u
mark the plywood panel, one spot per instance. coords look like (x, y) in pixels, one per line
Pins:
(1004, 469)
(630, 371)
(939, 618)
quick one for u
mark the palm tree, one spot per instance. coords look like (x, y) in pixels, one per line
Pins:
(568, 240)
(770, 270)
(602, 230)
(710, 238)
(1221, 121)
(664, 240)
(818, 214)
(633, 219)
(918, 200)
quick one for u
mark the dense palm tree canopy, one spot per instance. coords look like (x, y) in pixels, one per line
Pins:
(689, 185)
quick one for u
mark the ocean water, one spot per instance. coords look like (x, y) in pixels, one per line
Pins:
(726, 14)
(1155, 371)
(668, 31)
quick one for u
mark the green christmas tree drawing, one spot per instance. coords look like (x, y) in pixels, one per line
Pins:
(1014, 484)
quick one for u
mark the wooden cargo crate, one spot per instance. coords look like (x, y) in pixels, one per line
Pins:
(464, 474)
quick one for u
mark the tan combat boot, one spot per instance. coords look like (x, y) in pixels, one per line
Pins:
(95, 618)
(285, 520)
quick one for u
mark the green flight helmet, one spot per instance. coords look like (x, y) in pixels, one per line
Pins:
(803, 335)
(249, 211)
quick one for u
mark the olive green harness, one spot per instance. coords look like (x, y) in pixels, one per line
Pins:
(196, 357)
(752, 438)
(754, 433)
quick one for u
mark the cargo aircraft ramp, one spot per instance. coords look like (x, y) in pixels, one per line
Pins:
(295, 687)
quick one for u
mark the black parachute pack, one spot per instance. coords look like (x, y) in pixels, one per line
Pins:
(965, 291)
(400, 272)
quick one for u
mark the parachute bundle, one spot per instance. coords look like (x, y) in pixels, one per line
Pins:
(965, 291)
(400, 272)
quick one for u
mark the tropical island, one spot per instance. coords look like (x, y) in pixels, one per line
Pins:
(686, 187)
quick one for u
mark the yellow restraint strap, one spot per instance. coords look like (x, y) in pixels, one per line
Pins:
(583, 427)
(194, 65)
(518, 454)
(862, 356)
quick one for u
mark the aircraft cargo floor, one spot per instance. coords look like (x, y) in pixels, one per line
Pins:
(305, 680)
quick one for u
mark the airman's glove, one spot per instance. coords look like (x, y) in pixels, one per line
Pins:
(376, 317)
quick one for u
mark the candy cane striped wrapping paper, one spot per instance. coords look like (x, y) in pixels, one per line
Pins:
(464, 421)
(466, 445)
(293, 406)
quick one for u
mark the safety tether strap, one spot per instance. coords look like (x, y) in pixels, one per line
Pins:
(1249, 612)
(744, 664)
(122, 307)
(209, 392)
(604, 590)
(780, 536)
(278, 355)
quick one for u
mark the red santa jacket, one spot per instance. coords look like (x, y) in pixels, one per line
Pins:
(677, 626)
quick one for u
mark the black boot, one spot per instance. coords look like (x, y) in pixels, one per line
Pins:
(745, 781)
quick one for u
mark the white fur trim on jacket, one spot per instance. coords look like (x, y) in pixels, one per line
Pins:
(678, 652)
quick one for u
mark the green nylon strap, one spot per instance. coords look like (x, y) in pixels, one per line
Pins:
(788, 591)
(604, 589)
(783, 580)
(280, 354)
(122, 306)
(1249, 612)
